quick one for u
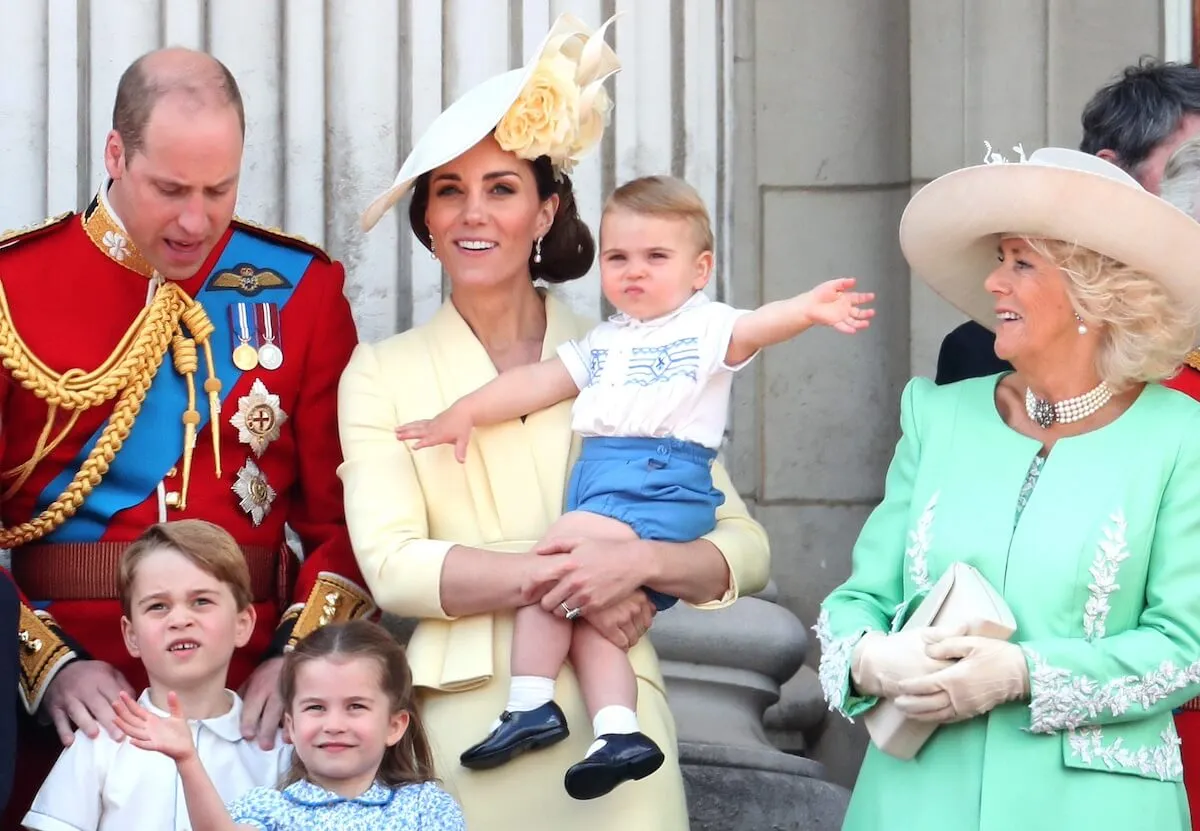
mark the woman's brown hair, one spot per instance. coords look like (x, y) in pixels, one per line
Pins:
(568, 248)
(410, 760)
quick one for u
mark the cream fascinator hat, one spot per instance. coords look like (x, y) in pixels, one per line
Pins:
(554, 106)
(951, 228)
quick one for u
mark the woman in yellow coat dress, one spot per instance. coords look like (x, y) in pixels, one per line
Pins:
(449, 543)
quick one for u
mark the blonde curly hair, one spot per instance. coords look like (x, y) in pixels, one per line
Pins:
(1146, 332)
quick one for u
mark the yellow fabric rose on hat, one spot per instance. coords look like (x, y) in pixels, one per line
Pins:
(544, 119)
(594, 109)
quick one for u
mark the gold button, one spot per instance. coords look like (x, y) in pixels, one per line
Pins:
(172, 500)
(172, 473)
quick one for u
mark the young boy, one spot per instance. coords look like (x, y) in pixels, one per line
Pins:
(653, 386)
(185, 592)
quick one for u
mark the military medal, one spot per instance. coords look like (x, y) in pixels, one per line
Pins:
(245, 356)
(259, 418)
(269, 353)
(254, 493)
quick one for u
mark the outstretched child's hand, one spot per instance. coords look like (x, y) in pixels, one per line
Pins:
(451, 426)
(833, 304)
(170, 736)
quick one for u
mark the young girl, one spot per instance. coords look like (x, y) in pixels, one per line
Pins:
(361, 759)
(652, 386)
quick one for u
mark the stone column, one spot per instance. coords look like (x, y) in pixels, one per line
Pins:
(829, 167)
(723, 669)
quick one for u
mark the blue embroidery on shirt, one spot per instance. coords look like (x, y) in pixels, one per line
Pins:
(650, 365)
(596, 364)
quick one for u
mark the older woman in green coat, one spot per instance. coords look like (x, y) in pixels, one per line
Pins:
(1071, 484)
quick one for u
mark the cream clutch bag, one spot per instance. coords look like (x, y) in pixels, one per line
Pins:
(961, 596)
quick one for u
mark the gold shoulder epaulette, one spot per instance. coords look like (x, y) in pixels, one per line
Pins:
(1192, 359)
(8, 238)
(294, 240)
(333, 599)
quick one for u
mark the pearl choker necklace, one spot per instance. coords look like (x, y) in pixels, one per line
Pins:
(1045, 414)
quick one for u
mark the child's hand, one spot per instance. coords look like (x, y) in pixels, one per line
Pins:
(170, 736)
(833, 304)
(452, 426)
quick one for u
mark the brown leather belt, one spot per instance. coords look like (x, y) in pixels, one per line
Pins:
(88, 571)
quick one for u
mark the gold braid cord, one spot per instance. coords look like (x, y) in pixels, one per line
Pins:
(125, 375)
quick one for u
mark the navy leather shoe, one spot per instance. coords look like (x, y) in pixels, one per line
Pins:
(518, 732)
(625, 756)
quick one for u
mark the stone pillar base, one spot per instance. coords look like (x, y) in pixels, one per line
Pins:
(743, 789)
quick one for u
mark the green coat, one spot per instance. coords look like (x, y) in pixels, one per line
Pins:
(1102, 572)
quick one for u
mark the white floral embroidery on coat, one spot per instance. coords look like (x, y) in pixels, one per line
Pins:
(834, 669)
(116, 245)
(919, 540)
(1162, 760)
(1060, 700)
(1111, 551)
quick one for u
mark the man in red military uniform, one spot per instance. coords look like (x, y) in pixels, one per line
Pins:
(1187, 718)
(1188, 379)
(164, 361)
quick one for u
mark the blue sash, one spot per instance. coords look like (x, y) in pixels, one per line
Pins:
(155, 443)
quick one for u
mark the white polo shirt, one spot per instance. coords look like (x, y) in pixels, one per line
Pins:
(105, 785)
(660, 377)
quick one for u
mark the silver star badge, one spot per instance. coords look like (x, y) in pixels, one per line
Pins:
(259, 418)
(255, 492)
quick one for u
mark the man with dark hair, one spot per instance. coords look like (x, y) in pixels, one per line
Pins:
(1136, 122)
(164, 360)
(1140, 119)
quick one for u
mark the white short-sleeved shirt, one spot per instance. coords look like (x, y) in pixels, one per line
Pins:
(105, 785)
(660, 377)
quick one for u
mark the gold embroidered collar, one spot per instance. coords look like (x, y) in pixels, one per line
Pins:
(106, 233)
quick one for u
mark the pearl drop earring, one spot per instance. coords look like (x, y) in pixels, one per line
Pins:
(432, 250)
(1082, 326)
(537, 250)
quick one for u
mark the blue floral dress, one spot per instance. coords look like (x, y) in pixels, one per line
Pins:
(303, 806)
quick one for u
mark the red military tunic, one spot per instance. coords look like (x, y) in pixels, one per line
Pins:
(74, 286)
(1187, 720)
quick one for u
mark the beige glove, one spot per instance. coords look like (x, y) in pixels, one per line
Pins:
(881, 661)
(986, 673)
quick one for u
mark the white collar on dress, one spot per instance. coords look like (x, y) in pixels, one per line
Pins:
(227, 726)
(306, 793)
(696, 300)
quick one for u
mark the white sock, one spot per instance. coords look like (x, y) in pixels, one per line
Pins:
(527, 692)
(612, 719)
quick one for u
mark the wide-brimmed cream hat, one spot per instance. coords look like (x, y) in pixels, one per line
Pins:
(553, 106)
(952, 227)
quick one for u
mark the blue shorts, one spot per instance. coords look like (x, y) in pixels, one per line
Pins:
(661, 488)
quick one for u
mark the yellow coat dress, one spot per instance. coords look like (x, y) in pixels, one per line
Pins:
(406, 509)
